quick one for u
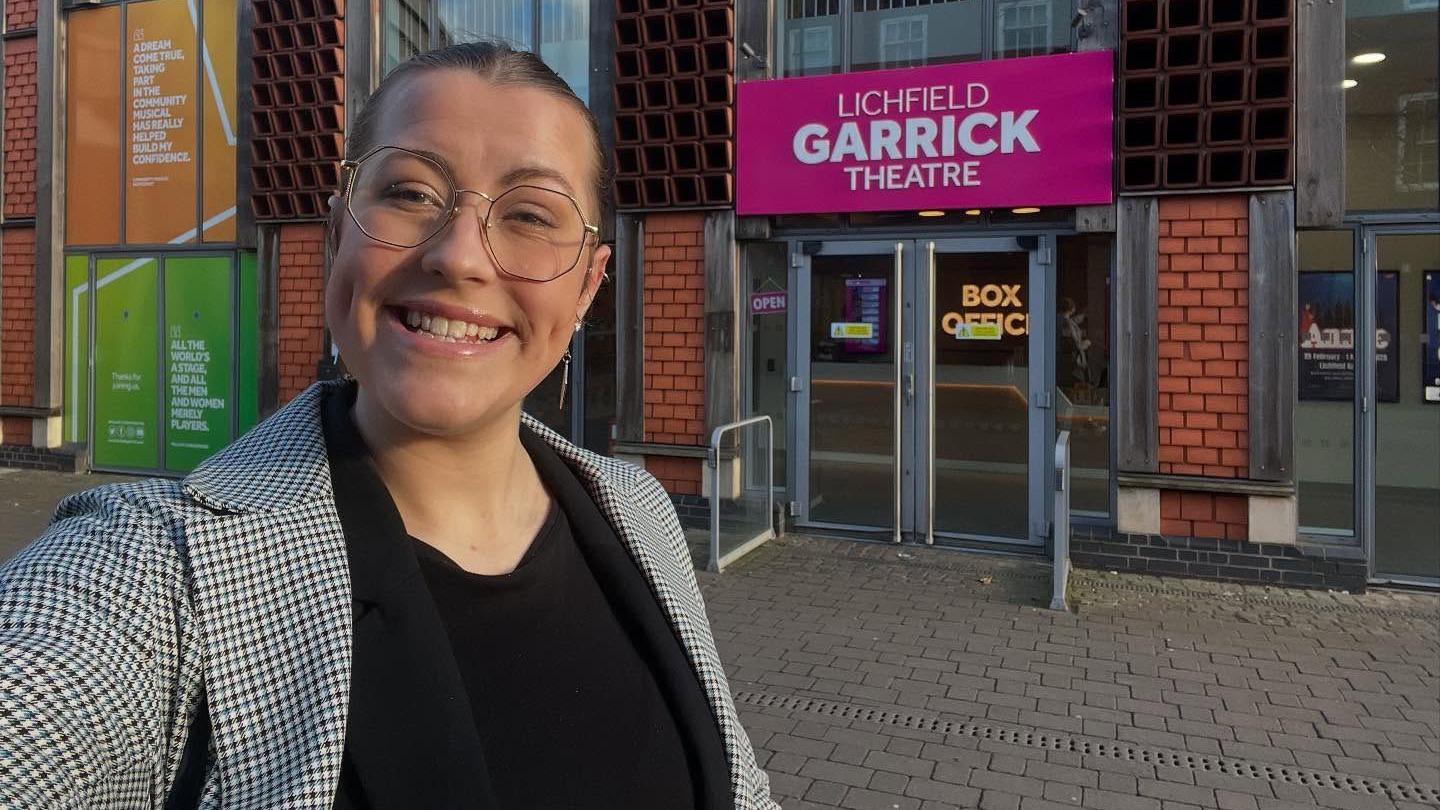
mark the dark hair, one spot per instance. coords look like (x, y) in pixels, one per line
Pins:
(490, 59)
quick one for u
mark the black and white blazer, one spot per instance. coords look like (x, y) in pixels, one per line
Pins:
(238, 575)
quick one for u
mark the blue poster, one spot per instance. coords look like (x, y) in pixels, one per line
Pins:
(867, 302)
(1431, 347)
(1327, 336)
(1387, 336)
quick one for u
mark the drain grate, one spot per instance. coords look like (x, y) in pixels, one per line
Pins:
(1361, 785)
(1279, 603)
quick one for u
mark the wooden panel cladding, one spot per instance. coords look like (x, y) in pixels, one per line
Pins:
(1136, 363)
(1272, 336)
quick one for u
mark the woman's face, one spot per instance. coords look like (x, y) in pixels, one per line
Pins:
(488, 135)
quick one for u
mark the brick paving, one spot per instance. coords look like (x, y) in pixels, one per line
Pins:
(871, 676)
(875, 677)
(28, 499)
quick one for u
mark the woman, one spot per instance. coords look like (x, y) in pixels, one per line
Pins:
(396, 592)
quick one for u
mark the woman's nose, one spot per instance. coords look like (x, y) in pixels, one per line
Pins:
(458, 252)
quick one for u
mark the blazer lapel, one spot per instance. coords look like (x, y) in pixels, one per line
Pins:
(272, 597)
(638, 610)
(645, 523)
(412, 738)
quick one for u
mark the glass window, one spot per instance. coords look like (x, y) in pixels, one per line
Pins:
(1082, 367)
(562, 28)
(596, 382)
(769, 317)
(1325, 412)
(1031, 27)
(896, 34)
(810, 36)
(1390, 107)
(830, 36)
(1407, 418)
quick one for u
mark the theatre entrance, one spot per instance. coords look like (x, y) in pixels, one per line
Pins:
(923, 390)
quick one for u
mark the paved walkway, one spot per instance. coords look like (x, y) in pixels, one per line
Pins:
(874, 677)
(871, 676)
(28, 498)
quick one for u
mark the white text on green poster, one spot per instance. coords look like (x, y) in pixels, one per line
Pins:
(126, 406)
(198, 319)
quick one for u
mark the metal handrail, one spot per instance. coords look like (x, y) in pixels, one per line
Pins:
(717, 562)
(1060, 579)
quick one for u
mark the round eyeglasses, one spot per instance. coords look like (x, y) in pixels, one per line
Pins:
(403, 198)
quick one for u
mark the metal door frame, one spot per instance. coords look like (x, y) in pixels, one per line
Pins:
(160, 258)
(800, 252)
(1367, 406)
(912, 500)
(1040, 297)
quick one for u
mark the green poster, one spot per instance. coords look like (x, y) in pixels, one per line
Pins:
(77, 347)
(247, 354)
(198, 359)
(127, 385)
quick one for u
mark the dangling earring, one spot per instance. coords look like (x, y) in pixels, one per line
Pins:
(564, 377)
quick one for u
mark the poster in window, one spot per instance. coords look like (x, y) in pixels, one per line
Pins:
(1327, 336)
(160, 164)
(866, 302)
(1431, 347)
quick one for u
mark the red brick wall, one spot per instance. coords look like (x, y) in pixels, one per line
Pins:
(674, 336)
(17, 321)
(301, 316)
(19, 139)
(20, 14)
(679, 476)
(1204, 514)
(15, 430)
(1203, 306)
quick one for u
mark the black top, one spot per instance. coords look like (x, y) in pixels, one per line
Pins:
(412, 738)
(568, 713)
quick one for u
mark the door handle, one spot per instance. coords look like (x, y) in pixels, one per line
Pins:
(910, 387)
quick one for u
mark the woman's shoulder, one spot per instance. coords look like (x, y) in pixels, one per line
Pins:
(115, 526)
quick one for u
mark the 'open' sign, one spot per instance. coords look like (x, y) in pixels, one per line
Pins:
(767, 303)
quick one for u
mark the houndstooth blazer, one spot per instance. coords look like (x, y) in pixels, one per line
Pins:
(237, 576)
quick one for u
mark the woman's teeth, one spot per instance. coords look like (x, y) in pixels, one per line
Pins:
(441, 328)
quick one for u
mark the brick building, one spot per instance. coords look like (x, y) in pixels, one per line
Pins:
(925, 238)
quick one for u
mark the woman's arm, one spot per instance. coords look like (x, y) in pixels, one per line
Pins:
(89, 645)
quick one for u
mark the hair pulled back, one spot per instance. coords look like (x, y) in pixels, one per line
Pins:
(493, 60)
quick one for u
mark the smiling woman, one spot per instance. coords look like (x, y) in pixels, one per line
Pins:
(398, 591)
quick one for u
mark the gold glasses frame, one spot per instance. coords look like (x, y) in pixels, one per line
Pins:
(350, 168)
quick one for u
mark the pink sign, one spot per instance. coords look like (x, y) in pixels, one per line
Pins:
(1012, 132)
(766, 303)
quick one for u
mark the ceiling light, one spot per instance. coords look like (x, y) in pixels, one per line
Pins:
(972, 212)
(932, 213)
(1348, 83)
(1024, 210)
(1368, 58)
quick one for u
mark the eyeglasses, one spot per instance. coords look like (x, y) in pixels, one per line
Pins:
(403, 198)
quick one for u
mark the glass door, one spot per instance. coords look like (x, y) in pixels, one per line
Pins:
(984, 440)
(849, 301)
(916, 364)
(154, 346)
(1403, 379)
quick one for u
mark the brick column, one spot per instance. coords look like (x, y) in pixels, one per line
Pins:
(17, 255)
(1203, 309)
(674, 345)
(301, 314)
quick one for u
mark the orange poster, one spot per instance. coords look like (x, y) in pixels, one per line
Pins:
(160, 158)
(93, 128)
(217, 56)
